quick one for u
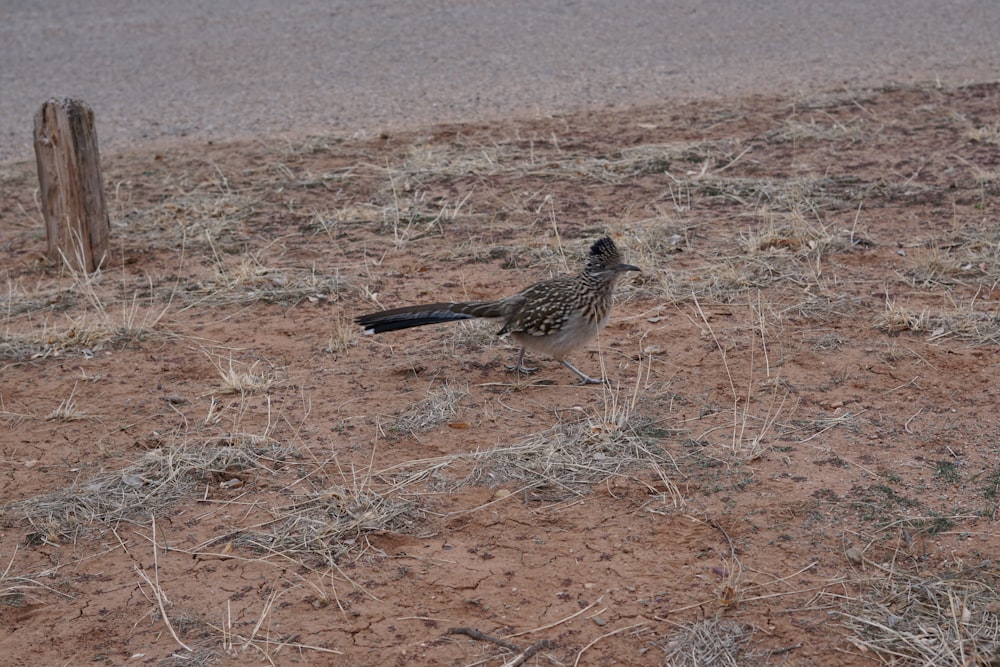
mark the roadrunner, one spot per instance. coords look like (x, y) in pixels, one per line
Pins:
(553, 317)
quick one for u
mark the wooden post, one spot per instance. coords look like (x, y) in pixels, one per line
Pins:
(72, 190)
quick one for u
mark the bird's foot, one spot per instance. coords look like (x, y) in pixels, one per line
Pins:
(584, 378)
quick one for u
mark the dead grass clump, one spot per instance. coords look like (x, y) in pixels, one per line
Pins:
(937, 267)
(984, 134)
(806, 429)
(713, 641)
(18, 299)
(342, 220)
(830, 131)
(685, 159)
(792, 233)
(209, 217)
(325, 525)
(826, 193)
(474, 334)
(108, 318)
(22, 347)
(908, 619)
(823, 307)
(827, 342)
(411, 213)
(787, 248)
(566, 459)
(16, 590)
(544, 157)
(247, 279)
(569, 458)
(969, 255)
(343, 335)
(426, 162)
(648, 243)
(244, 379)
(67, 410)
(150, 486)
(724, 280)
(84, 335)
(967, 324)
(896, 319)
(438, 407)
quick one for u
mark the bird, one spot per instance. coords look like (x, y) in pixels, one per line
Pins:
(553, 317)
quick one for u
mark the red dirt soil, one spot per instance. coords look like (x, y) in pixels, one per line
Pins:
(801, 407)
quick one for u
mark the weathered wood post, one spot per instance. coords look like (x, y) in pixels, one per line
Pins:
(72, 190)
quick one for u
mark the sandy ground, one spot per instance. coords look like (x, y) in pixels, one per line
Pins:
(173, 70)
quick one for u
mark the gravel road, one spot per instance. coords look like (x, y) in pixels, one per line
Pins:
(236, 68)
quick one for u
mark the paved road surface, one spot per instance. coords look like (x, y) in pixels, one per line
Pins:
(156, 71)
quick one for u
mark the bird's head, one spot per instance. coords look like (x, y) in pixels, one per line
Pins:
(605, 257)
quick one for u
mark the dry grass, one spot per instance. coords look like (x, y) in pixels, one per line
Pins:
(474, 334)
(85, 334)
(967, 323)
(791, 232)
(906, 619)
(247, 280)
(439, 406)
(343, 335)
(67, 410)
(260, 639)
(785, 248)
(256, 378)
(323, 526)
(821, 129)
(565, 460)
(895, 319)
(426, 163)
(967, 256)
(49, 343)
(206, 216)
(568, 459)
(16, 590)
(150, 486)
(40, 297)
(114, 316)
(987, 134)
(750, 430)
(714, 641)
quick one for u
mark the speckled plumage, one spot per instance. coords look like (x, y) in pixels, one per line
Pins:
(553, 317)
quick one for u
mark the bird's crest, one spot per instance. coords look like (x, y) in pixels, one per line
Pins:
(603, 255)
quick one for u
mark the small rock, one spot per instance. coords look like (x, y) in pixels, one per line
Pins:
(855, 556)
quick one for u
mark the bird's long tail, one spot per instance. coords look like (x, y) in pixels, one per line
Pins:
(431, 313)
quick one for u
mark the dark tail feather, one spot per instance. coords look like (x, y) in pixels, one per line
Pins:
(410, 316)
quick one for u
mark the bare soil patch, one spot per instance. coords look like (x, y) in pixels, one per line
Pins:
(795, 462)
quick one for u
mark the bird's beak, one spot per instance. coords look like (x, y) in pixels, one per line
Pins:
(621, 268)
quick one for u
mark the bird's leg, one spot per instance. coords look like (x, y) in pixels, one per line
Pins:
(584, 378)
(519, 367)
